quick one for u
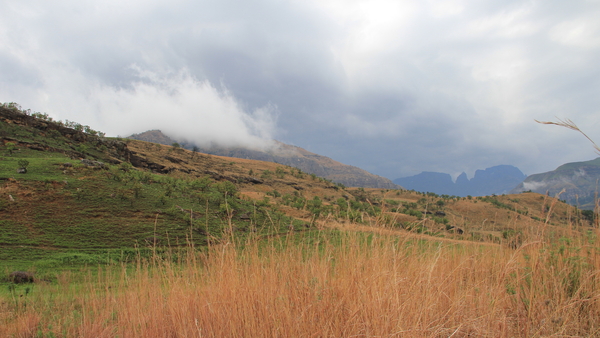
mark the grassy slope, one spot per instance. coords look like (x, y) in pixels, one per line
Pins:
(60, 210)
(56, 208)
(287, 155)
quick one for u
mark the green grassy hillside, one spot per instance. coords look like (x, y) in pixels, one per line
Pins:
(81, 200)
(88, 199)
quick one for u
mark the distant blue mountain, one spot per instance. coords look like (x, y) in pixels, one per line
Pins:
(428, 181)
(495, 180)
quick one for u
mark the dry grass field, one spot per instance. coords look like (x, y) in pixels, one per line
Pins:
(327, 284)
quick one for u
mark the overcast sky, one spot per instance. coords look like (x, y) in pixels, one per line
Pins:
(394, 87)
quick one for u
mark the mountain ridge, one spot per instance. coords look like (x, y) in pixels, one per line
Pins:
(286, 154)
(494, 180)
(574, 182)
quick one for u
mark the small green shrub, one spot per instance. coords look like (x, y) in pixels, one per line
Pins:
(274, 193)
(23, 163)
(267, 174)
(280, 173)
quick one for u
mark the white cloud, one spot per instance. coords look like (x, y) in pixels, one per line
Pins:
(581, 32)
(184, 107)
(176, 103)
(441, 9)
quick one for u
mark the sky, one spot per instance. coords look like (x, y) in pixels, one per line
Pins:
(393, 87)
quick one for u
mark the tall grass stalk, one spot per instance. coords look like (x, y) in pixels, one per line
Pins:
(329, 284)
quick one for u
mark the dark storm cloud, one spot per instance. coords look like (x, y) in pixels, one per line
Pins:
(395, 87)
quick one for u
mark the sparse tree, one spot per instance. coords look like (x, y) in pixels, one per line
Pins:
(22, 166)
(280, 172)
(11, 147)
(176, 147)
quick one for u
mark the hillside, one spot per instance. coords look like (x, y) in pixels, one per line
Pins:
(579, 180)
(288, 155)
(496, 180)
(106, 227)
(86, 193)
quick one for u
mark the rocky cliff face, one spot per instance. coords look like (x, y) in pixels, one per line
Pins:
(579, 180)
(287, 155)
(495, 180)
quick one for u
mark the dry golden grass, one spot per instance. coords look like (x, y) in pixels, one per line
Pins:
(343, 284)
